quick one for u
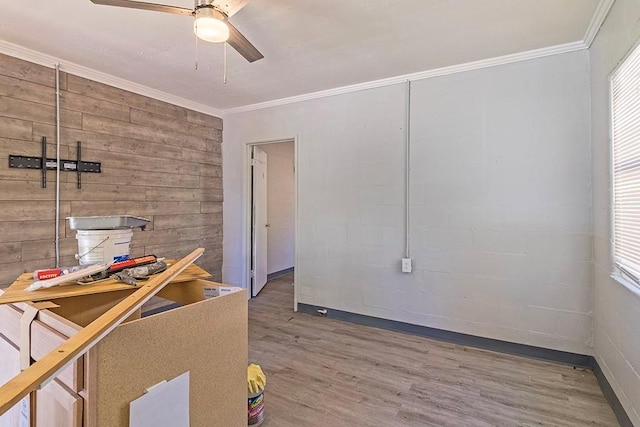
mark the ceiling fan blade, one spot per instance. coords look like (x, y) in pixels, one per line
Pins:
(242, 45)
(145, 6)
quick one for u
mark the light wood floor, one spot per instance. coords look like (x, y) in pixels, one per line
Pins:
(324, 372)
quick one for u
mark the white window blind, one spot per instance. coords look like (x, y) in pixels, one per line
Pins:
(625, 125)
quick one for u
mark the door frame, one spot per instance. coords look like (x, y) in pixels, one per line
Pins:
(247, 212)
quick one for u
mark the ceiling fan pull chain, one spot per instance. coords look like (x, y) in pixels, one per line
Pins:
(224, 76)
(196, 52)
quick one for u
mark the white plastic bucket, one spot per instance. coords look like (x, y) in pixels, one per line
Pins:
(103, 246)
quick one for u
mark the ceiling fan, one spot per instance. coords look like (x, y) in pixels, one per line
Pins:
(211, 21)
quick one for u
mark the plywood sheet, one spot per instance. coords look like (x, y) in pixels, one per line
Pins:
(16, 291)
(207, 338)
(29, 379)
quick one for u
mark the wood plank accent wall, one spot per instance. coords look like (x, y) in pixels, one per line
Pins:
(159, 161)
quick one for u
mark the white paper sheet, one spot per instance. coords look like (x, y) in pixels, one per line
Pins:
(166, 404)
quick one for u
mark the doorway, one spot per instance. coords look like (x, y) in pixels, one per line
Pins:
(271, 216)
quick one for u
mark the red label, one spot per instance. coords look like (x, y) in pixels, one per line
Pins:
(48, 274)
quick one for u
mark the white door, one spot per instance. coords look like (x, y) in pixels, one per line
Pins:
(259, 221)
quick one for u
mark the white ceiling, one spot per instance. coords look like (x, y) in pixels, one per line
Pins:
(309, 45)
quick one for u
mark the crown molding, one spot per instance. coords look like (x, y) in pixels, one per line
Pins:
(78, 70)
(438, 72)
(49, 61)
(597, 20)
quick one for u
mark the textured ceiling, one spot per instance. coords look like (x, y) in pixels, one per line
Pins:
(309, 45)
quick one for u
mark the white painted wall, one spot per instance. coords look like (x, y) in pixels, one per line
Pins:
(616, 309)
(281, 206)
(501, 236)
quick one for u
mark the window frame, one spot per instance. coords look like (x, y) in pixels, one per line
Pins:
(619, 272)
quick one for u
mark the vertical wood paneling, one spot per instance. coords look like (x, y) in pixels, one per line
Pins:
(159, 161)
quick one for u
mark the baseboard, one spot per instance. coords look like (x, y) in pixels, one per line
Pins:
(280, 273)
(557, 356)
(610, 395)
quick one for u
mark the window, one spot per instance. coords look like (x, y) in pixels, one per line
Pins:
(625, 137)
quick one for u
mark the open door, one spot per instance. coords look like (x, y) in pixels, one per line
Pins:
(258, 221)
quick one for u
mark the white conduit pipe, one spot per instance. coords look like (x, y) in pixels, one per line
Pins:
(57, 165)
(407, 184)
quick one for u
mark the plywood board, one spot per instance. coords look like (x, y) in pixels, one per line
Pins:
(84, 309)
(17, 293)
(55, 361)
(207, 338)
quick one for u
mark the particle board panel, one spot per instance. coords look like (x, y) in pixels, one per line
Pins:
(84, 309)
(69, 351)
(187, 292)
(16, 292)
(163, 346)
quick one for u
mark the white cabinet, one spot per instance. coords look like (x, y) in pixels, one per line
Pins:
(205, 337)
(9, 367)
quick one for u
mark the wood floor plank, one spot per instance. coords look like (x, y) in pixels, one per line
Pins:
(324, 372)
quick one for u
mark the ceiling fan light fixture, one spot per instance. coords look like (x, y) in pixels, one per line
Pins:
(210, 25)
